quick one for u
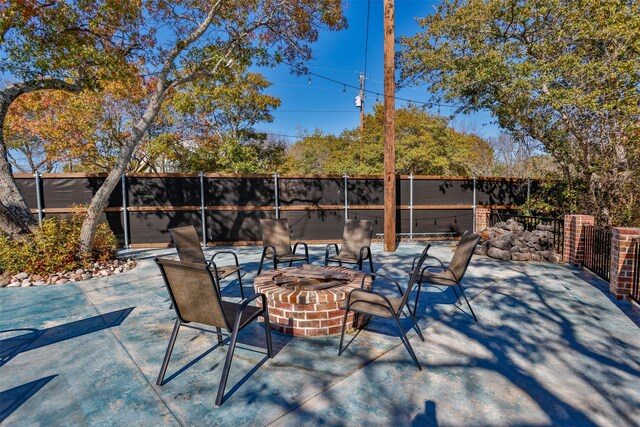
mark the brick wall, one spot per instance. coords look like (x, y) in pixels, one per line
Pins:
(573, 238)
(482, 218)
(622, 260)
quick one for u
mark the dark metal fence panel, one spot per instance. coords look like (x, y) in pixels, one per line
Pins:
(438, 221)
(163, 191)
(635, 281)
(531, 222)
(597, 250)
(501, 192)
(442, 191)
(227, 207)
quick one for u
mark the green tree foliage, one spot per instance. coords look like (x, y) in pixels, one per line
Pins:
(58, 45)
(207, 125)
(566, 73)
(181, 43)
(425, 144)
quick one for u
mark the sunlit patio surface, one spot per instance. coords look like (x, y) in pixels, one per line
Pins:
(551, 348)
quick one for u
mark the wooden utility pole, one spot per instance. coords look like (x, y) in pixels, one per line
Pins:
(389, 134)
(361, 103)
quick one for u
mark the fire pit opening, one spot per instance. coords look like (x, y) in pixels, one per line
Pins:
(311, 279)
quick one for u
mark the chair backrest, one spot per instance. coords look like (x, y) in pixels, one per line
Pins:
(357, 233)
(187, 244)
(276, 232)
(462, 255)
(194, 293)
(417, 272)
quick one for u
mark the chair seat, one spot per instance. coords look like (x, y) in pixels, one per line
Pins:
(287, 257)
(439, 278)
(365, 302)
(344, 258)
(250, 313)
(225, 270)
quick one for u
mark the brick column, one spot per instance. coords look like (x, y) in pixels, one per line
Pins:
(482, 218)
(622, 255)
(573, 240)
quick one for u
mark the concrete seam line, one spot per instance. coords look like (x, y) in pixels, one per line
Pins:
(130, 357)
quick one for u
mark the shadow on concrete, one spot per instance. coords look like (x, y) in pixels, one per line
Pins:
(32, 339)
(427, 419)
(12, 399)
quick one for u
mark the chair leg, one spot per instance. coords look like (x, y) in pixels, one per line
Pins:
(344, 327)
(456, 292)
(227, 366)
(469, 305)
(371, 264)
(167, 355)
(407, 343)
(415, 323)
(360, 264)
(219, 335)
(267, 327)
(240, 283)
(260, 266)
(415, 305)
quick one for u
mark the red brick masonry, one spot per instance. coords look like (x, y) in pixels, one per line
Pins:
(621, 273)
(308, 313)
(573, 239)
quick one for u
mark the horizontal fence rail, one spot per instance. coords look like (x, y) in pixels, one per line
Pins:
(531, 222)
(597, 250)
(635, 282)
(226, 208)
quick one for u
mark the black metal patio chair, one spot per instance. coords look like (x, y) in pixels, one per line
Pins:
(189, 250)
(196, 298)
(373, 303)
(356, 245)
(276, 242)
(452, 274)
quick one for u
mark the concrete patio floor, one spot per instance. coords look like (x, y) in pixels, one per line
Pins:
(551, 348)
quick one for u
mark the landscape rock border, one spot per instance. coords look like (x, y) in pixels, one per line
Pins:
(508, 240)
(97, 269)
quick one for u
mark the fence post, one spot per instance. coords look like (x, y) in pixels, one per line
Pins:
(474, 205)
(203, 211)
(125, 212)
(622, 261)
(573, 252)
(39, 197)
(277, 206)
(346, 197)
(411, 207)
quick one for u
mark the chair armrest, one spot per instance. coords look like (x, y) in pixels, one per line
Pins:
(384, 276)
(245, 302)
(384, 303)
(235, 257)
(326, 250)
(272, 247)
(413, 263)
(243, 305)
(306, 248)
(362, 250)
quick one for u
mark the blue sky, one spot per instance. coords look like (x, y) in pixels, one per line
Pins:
(320, 104)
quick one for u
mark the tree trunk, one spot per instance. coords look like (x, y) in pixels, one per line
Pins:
(100, 200)
(16, 218)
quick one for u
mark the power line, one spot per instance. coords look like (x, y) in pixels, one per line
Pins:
(343, 84)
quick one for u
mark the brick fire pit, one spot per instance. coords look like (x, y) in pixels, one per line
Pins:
(305, 301)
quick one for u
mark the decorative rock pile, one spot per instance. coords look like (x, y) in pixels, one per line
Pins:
(509, 241)
(98, 269)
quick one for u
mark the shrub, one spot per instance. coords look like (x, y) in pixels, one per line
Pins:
(54, 248)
